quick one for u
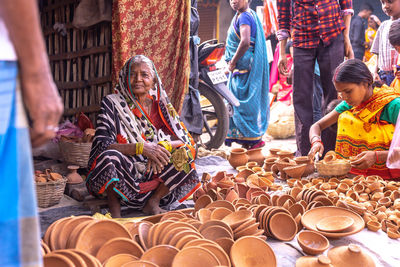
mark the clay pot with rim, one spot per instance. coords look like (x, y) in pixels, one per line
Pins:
(351, 255)
(306, 160)
(312, 243)
(268, 162)
(256, 155)
(73, 176)
(238, 157)
(285, 154)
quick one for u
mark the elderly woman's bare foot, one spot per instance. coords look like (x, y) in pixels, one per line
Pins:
(152, 207)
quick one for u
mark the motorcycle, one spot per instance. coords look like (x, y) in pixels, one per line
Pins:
(208, 103)
(215, 98)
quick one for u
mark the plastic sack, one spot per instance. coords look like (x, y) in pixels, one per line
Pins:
(393, 160)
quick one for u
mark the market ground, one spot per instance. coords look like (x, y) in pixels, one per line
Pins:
(70, 207)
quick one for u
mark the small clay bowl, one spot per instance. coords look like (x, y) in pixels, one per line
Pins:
(195, 256)
(312, 243)
(250, 251)
(219, 213)
(295, 171)
(218, 252)
(204, 215)
(282, 226)
(333, 224)
(374, 225)
(58, 260)
(117, 246)
(202, 202)
(221, 203)
(225, 244)
(162, 255)
(236, 218)
(214, 232)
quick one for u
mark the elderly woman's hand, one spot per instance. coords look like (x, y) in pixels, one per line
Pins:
(364, 160)
(158, 156)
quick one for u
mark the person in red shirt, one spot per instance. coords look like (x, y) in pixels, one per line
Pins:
(320, 32)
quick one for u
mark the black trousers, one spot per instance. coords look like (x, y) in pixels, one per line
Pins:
(329, 57)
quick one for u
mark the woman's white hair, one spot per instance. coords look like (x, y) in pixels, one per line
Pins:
(139, 59)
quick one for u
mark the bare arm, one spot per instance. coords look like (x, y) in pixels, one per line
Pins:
(244, 44)
(348, 50)
(40, 94)
(316, 129)
(282, 63)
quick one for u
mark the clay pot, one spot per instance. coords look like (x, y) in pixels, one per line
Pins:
(285, 154)
(295, 171)
(306, 160)
(73, 176)
(351, 255)
(238, 157)
(256, 155)
(274, 151)
(250, 251)
(268, 162)
(312, 243)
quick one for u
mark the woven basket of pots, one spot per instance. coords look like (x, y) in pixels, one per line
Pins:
(333, 168)
(281, 129)
(75, 153)
(50, 193)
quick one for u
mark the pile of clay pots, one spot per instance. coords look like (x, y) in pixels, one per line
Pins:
(376, 200)
(176, 238)
(47, 176)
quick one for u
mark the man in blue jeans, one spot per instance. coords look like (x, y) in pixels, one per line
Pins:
(22, 55)
(320, 32)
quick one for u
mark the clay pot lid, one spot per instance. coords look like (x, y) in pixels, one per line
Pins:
(282, 226)
(90, 260)
(238, 217)
(195, 257)
(96, 233)
(311, 217)
(351, 255)
(218, 252)
(320, 261)
(312, 243)
(250, 251)
(202, 202)
(53, 259)
(215, 231)
(119, 260)
(116, 246)
(162, 255)
(221, 203)
(67, 229)
(334, 224)
(143, 230)
(216, 222)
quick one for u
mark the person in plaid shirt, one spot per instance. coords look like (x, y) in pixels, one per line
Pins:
(320, 30)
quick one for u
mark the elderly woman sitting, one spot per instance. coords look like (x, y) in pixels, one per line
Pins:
(142, 153)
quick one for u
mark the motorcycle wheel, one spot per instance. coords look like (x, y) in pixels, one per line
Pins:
(215, 117)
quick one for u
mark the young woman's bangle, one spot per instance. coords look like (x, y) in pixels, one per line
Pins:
(167, 145)
(139, 148)
(317, 141)
(312, 138)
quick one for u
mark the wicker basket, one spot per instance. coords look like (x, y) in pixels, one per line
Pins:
(75, 153)
(281, 129)
(333, 168)
(50, 193)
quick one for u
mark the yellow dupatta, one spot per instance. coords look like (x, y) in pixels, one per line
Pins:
(361, 129)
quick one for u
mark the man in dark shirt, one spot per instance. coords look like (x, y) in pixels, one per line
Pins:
(320, 32)
(357, 30)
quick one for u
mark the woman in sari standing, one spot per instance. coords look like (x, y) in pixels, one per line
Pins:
(142, 154)
(370, 32)
(246, 55)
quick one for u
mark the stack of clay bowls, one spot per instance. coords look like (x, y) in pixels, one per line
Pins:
(242, 224)
(350, 255)
(376, 200)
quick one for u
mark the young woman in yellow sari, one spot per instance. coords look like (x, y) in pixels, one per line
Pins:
(370, 32)
(366, 120)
